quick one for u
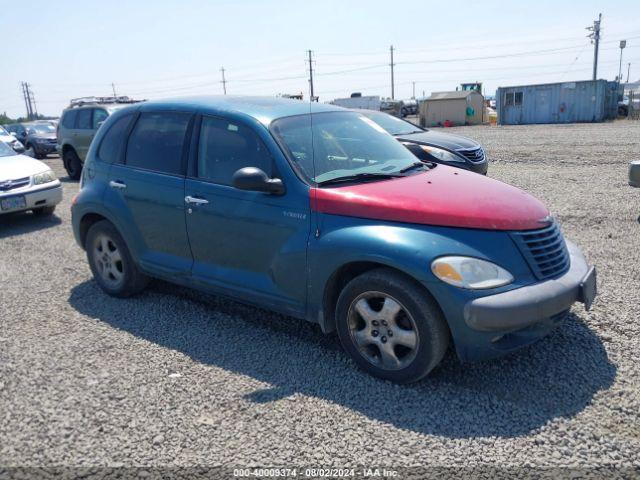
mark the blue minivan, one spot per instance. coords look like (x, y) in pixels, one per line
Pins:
(317, 212)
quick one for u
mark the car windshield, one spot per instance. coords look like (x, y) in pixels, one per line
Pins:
(393, 125)
(333, 145)
(42, 128)
(6, 150)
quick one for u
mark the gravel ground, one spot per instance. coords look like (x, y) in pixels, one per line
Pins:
(175, 377)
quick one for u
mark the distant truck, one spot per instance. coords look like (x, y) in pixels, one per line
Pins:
(356, 100)
(397, 108)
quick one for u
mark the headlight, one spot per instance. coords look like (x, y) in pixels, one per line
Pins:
(469, 272)
(44, 177)
(441, 154)
(17, 144)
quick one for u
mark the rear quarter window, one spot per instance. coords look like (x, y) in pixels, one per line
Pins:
(69, 119)
(113, 140)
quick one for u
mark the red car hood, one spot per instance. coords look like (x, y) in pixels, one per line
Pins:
(442, 196)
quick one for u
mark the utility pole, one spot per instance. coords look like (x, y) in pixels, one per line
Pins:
(29, 101)
(628, 69)
(311, 96)
(113, 86)
(32, 98)
(414, 90)
(224, 82)
(623, 43)
(26, 99)
(595, 39)
(393, 86)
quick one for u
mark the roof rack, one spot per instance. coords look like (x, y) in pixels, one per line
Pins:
(79, 102)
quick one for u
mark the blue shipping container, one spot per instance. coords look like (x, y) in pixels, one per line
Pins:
(566, 102)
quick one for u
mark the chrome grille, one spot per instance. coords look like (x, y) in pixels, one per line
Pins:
(544, 250)
(474, 155)
(6, 185)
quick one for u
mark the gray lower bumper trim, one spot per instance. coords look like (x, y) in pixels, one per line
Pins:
(525, 306)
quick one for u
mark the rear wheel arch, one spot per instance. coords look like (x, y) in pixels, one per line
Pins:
(343, 275)
(86, 222)
(66, 148)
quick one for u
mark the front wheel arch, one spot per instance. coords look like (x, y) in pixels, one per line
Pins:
(342, 276)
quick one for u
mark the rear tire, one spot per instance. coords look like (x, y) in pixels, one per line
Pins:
(111, 263)
(391, 326)
(44, 211)
(72, 164)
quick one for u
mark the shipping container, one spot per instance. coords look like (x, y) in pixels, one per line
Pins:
(566, 102)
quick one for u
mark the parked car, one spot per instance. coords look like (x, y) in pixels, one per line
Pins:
(38, 137)
(316, 212)
(78, 125)
(11, 140)
(26, 184)
(409, 107)
(433, 146)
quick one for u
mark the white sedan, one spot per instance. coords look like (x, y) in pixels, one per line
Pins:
(26, 184)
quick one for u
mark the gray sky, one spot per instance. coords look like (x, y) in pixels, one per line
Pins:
(155, 49)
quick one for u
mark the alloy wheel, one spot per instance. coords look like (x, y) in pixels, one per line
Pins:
(108, 260)
(383, 331)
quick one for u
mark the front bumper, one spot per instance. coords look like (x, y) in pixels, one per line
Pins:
(44, 197)
(523, 307)
(45, 148)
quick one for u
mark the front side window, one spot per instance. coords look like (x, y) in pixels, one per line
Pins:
(112, 141)
(69, 119)
(225, 147)
(99, 115)
(327, 146)
(84, 119)
(156, 142)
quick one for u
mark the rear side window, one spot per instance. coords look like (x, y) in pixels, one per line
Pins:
(69, 119)
(84, 119)
(157, 140)
(225, 147)
(113, 140)
(99, 115)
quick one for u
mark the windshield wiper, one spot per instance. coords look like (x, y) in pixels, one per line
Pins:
(407, 133)
(360, 176)
(412, 166)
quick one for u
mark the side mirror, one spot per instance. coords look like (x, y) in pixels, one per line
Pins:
(255, 180)
(99, 124)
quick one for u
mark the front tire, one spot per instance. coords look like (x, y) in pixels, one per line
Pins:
(72, 164)
(390, 326)
(111, 263)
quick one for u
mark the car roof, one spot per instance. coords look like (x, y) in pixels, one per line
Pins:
(263, 109)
